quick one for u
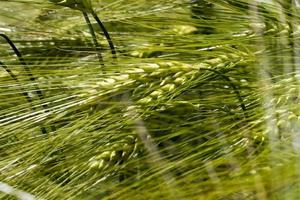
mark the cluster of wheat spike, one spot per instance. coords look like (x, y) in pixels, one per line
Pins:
(158, 100)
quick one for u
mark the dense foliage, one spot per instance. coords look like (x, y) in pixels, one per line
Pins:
(135, 99)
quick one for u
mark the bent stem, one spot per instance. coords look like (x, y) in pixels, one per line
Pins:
(25, 94)
(109, 40)
(236, 91)
(28, 72)
(92, 32)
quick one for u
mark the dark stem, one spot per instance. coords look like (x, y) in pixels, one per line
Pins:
(13, 76)
(92, 32)
(22, 61)
(31, 77)
(110, 42)
(25, 94)
(236, 91)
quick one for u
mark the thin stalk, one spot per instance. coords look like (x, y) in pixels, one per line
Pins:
(25, 94)
(25, 66)
(13, 76)
(92, 32)
(109, 40)
(22, 61)
(236, 91)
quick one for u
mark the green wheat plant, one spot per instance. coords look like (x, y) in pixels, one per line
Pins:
(157, 100)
